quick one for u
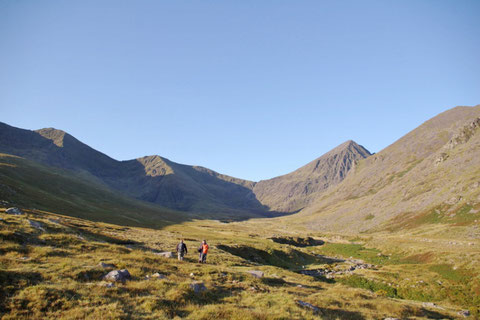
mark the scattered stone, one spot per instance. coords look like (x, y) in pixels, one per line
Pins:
(308, 305)
(107, 265)
(464, 313)
(15, 211)
(118, 275)
(24, 258)
(192, 274)
(454, 200)
(299, 286)
(166, 254)
(256, 273)
(431, 305)
(106, 284)
(391, 319)
(35, 224)
(156, 276)
(57, 221)
(330, 274)
(441, 158)
(198, 287)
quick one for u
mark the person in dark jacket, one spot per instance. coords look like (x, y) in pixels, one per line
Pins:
(181, 250)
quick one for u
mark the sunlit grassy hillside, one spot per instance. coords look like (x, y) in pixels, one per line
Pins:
(49, 268)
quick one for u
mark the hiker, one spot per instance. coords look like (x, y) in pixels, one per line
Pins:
(181, 250)
(203, 250)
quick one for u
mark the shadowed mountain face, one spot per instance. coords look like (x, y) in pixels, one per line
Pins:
(294, 191)
(153, 178)
(431, 175)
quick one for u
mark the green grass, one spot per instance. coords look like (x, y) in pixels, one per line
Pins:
(447, 272)
(374, 286)
(358, 251)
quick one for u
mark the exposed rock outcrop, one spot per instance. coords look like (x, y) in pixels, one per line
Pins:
(464, 134)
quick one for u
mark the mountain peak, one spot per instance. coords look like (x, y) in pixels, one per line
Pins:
(348, 146)
(295, 190)
(53, 134)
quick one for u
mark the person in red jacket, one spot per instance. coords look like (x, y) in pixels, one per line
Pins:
(203, 252)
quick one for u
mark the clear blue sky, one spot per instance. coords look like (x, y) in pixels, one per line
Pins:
(253, 89)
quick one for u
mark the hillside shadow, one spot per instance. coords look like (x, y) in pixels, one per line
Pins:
(198, 191)
(330, 313)
(298, 241)
(12, 281)
(293, 260)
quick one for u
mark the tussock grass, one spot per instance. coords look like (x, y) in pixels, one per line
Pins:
(56, 274)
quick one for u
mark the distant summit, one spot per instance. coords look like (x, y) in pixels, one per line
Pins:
(294, 191)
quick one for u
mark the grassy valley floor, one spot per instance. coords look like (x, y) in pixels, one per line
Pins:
(50, 268)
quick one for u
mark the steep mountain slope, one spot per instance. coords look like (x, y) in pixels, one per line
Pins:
(431, 175)
(294, 191)
(153, 179)
(29, 184)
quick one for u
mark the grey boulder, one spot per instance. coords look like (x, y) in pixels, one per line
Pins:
(14, 211)
(106, 265)
(308, 305)
(36, 225)
(198, 287)
(256, 273)
(118, 275)
(164, 254)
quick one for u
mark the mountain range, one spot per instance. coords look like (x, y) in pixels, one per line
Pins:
(347, 188)
(176, 186)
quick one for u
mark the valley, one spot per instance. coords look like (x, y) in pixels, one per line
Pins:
(350, 235)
